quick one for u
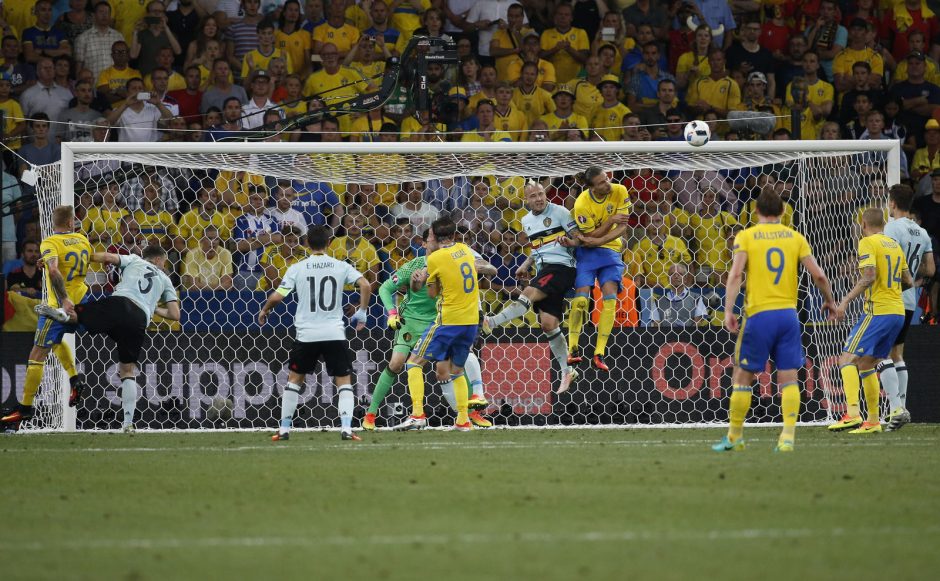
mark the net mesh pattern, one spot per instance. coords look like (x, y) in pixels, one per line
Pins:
(670, 361)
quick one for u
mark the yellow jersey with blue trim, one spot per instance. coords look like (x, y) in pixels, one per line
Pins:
(72, 252)
(773, 255)
(883, 254)
(452, 269)
(590, 213)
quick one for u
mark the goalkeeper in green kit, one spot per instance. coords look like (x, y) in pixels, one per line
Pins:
(409, 318)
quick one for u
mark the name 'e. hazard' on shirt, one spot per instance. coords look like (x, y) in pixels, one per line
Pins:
(318, 281)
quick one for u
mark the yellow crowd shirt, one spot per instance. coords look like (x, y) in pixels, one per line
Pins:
(566, 67)
(608, 121)
(712, 236)
(533, 105)
(655, 261)
(343, 38)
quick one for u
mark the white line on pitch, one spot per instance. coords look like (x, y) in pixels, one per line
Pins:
(467, 444)
(626, 536)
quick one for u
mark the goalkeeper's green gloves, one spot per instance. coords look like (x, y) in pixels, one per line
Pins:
(394, 322)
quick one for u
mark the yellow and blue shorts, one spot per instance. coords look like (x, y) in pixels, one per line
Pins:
(874, 335)
(443, 342)
(770, 335)
(49, 332)
(600, 264)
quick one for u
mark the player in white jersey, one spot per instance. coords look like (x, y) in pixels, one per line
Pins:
(318, 281)
(546, 225)
(916, 246)
(125, 314)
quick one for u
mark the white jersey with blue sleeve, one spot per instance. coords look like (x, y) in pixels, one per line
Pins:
(914, 242)
(318, 281)
(544, 230)
(144, 284)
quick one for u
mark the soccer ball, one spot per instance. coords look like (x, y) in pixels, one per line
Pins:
(697, 133)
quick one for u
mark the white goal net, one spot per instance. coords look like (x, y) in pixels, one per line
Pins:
(670, 360)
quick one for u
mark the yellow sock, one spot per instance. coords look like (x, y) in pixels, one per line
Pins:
(579, 307)
(737, 411)
(416, 388)
(605, 324)
(63, 353)
(850, 385)
(872, 388)
(461, 393)
(33, 379)
(790, 403)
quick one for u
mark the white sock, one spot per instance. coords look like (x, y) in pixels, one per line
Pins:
(559, 346)
(346, 402)
(474, 375)
(518, 308)
(901, 368)
(289, 406)
(889, 381)
(447, 388)
(129, 399)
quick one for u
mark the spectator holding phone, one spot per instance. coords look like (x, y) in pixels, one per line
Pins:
(150, 35)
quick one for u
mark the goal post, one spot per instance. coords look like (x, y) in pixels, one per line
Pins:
(219, 369)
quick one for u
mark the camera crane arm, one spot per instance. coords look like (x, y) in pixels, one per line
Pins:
(410, 71)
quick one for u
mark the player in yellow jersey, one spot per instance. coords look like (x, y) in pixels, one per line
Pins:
(769, 253)
(600, 213)
(884, 275)
(65, 255)
(452, 277)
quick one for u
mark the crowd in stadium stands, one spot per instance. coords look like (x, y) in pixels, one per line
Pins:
(538, 70)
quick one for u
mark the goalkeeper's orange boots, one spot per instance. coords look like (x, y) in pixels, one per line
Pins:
(368, 423)
(599, 363)
(574, 358)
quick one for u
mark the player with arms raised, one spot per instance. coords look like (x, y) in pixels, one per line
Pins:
(769, 253)
(318, 281)
(915, 242)
(65, 256)
(546, 225)
(884, 275)
(409, 319)
(600, 213)
(125, 314)
(452, 277)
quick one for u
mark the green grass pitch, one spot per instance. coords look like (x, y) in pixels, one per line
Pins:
(524, 504)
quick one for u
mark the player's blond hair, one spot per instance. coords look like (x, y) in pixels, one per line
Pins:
(874, 217)
(63, 216)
